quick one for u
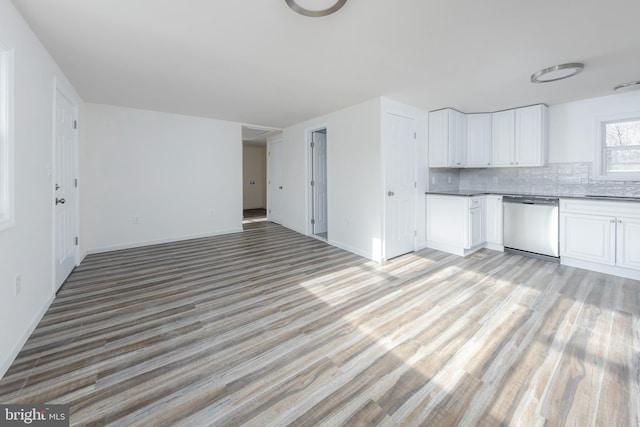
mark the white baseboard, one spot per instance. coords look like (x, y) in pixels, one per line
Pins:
(601, 268)
(6, 364)
(353, 250)
(160, 241)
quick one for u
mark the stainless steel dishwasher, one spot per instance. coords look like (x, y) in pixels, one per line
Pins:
(531, 226)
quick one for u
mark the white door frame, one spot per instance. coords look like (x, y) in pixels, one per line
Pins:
(62, 88)
(308, 139)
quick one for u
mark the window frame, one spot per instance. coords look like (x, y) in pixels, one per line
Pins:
(601, 148)
(7, 208)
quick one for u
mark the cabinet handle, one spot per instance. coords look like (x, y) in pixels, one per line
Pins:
(619, 221)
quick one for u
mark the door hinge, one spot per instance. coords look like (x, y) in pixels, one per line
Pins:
(76, 240)
(415, 135)
(75, 182)
(313, 145)
(75, 124)
(415, 184)
(415, 233)
(313, 183)
(313, 221)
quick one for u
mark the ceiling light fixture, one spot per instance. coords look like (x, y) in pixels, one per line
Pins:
(624, 87)
(557, 72)
(316, 8)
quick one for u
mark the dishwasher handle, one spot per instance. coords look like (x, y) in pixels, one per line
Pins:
(549, 201)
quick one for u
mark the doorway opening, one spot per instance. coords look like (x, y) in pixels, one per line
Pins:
(319, 216)
(254, 174)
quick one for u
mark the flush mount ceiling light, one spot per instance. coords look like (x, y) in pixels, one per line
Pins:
(624, 87)
(316, 8)
(557, 72)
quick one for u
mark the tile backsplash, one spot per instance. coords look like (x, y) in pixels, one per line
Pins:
(557, 179)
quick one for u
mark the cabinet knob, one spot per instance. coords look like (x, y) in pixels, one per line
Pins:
(619, 221)
(612, 221)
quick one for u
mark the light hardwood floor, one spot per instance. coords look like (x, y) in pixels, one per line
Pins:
(269, 327)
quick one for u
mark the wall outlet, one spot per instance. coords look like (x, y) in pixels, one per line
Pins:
(18, 288)
(136, 220)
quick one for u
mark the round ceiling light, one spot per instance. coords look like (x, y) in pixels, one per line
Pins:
(557, 72)
(316, 8)
(624, 87)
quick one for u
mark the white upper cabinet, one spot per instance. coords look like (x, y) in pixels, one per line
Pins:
(520, 137)
(531, 136)
(447, 138)
(478, 140)
(510, 138)
(503, 138)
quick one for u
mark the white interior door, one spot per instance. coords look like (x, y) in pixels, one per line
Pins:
(65, 186)
(400, 178)
(319, 153)
(275, 182)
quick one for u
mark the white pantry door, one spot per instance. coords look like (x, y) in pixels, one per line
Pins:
(65, 185)
(275, 182)
(319, 151)
(399, 158)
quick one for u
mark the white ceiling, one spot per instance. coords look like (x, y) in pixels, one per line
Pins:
(257, 62)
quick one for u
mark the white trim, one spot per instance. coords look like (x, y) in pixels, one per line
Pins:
(598, 172)
(270, 142)
(7, 156)
(160, 241)
(6, 364)
(354, 250)
(601, 268)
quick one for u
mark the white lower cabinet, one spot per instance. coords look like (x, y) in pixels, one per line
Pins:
(493, 221)
(455, 224)
(601, 236)
(628, 242)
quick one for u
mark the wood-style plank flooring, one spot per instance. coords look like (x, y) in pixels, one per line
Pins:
(269, 327)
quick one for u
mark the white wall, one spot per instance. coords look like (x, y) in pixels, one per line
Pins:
(353, 172)
(572, 126)
(254, 168)
(26, 249)
(168, 170)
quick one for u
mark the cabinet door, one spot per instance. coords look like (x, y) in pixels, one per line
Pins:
(493, 219)
(502, 138)
(446, 219)
(457, 138)
(588, 237)
(439, 138)
(478, 140)
(628, 247)
(529, 136)
(476, 225)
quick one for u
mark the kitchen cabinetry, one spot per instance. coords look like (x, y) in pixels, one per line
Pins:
(478, 140)
(520, 137)
(493, 221)
(447, 138)
(601, 236)
(455, 224)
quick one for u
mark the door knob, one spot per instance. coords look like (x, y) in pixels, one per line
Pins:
(60, 201)
(390, 193)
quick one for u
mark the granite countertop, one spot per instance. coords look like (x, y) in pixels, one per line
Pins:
(471, 193)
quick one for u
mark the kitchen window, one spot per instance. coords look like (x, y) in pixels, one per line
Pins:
(619, 149)
(6, 138)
